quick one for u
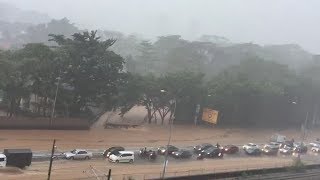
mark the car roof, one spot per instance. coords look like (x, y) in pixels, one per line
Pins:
(274, 143)
(212, 148)
(2, 156)
(80, 149)
(230, 145)
(126, 152)
(116, 147)
(251, 144)
(205, 144)
(183, 150)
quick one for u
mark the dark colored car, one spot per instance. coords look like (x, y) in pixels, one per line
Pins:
(253, 152)
(201, 147)
(212, 152)
(162, 150)
(286, 143)
(269, 150)
(182, 154)
(112, 150)
(300, 148)
(230, 149)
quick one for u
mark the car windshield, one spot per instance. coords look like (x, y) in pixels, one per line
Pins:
(74, 151)
(211, 149)
(205, 144)
(116, 153)
(287, 147)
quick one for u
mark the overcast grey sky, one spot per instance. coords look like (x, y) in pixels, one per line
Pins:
(258, 21)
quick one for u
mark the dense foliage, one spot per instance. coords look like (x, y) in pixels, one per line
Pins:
(248, 84)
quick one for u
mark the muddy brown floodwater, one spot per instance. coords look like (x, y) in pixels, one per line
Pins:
(150, 136)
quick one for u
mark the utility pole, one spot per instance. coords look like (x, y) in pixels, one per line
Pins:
(109, 174)
(51, 158)
(169, 140)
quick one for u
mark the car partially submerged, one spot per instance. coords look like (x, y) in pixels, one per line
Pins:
(3, 160)
(78, 154)
(182, 154)
(315, 149)
(270, 150)
(212, 152)
(230, 149)
(253, 151)
(122, 156)
(315, 143)
(286, 150)
(201, 147)
(163, 149)
(250, 146)
(300, 147)
(112, 150)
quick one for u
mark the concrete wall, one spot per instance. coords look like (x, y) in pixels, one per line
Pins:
(43, 123)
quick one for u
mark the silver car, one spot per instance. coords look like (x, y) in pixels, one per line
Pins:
(78, 154)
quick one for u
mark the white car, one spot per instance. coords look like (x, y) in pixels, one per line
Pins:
(122, 156)
(272, 145)
(316, 149)
(316, 143)
(250, 146)
(78, 154)
(286, 150)
(3, 160)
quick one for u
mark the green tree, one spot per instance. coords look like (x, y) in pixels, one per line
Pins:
(90, 69)
(255, 92)
(43, 67)
(15, 80)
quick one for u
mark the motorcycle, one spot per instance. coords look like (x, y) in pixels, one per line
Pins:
(148, 154)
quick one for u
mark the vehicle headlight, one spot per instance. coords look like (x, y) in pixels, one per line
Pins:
(226, 149)
(219, 154)
(163, 150)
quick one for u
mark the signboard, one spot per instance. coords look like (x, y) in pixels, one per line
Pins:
(210, 115)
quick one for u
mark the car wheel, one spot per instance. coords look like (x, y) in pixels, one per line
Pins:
(117, 161)
(131, 161)
(86, 158)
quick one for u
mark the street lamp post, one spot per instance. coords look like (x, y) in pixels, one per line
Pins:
(54, 102)
(303, 128)
(169, 139)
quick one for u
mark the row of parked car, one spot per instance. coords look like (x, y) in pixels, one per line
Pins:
(273, 148)
(206, 150)
(201, 151)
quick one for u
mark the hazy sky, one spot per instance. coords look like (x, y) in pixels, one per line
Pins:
(258, 21)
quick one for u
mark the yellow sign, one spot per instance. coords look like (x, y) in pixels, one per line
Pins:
(210, 115)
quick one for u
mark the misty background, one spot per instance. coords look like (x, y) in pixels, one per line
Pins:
(257, 21)
(250, 60)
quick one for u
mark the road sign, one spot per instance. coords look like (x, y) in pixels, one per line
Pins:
(210, 115)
